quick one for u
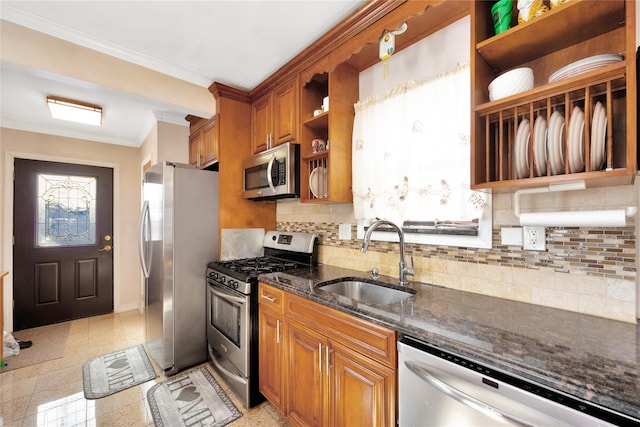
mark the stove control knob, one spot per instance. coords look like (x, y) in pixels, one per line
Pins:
(222, 279)
(213, 275)
(233, 284)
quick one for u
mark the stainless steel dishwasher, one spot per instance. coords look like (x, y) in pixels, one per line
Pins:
(438, 388)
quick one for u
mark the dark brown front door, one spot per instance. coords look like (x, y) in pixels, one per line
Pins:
(62, 253)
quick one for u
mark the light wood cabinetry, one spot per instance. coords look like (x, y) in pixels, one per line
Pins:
(325, 175)
(233, 132)
(573, 31)
(274, 117)
(203, 144)
(338, 369)
(270, 345)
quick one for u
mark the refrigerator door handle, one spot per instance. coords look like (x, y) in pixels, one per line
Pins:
(142, 234)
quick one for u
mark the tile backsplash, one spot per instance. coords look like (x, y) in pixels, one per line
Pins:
(591, 270)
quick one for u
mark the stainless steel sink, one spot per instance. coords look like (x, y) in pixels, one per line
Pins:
(367, 291)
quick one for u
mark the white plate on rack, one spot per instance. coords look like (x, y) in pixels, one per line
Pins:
(576, 140)
(540, 145)
(556, 143)
(521, 149)
(584, 65)
(318, 182)
(598, 136)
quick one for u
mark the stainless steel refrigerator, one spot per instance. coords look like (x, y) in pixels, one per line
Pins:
(178, 236)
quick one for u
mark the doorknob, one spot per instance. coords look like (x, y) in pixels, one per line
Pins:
(106, 248)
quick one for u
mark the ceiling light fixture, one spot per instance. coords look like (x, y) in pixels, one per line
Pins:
(74, 111)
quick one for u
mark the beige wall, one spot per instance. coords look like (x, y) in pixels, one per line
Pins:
(173, 143)
(127, 178)
(589, 270)
(550, 278)
(27, 47)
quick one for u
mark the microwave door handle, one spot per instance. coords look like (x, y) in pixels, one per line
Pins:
(423, 373)
(269, 168)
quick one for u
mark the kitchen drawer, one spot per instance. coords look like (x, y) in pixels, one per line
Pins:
(369, 339)
(271, 297)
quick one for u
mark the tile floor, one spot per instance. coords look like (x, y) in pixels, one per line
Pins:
(51, 394)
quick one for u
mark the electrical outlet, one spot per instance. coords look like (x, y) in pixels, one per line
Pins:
(534, 238)
(344, 231)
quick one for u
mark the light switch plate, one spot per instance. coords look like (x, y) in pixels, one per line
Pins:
(534, 238)
(511, 236)
(344, 231)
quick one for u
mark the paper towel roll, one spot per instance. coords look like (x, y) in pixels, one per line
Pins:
(603, 218)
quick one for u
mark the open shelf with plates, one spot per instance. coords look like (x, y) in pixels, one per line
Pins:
(325, 142)
(599, 144)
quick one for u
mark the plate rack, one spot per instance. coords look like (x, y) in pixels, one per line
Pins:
(501, 118)
(317, 165)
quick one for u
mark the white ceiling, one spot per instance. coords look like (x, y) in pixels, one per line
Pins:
(239, 43)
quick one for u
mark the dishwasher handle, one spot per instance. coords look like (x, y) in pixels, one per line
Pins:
(423, 373)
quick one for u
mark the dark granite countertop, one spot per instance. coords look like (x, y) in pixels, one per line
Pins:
(592, 358)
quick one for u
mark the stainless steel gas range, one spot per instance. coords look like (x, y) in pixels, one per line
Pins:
(232, 307)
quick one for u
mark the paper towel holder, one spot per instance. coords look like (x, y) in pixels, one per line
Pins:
(603, 218)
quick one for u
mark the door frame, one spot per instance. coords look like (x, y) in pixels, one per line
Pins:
(7, 229)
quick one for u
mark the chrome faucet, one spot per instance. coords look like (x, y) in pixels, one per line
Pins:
(403, 270)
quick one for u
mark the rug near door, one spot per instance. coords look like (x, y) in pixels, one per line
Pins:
(194, 398)
(49, 343)
(116, 371)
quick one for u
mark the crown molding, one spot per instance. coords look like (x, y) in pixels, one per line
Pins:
(54, 29)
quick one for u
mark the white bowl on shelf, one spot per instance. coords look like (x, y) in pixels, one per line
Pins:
(512, 82)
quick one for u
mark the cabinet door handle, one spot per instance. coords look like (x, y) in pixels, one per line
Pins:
(278, 331)
(320, 356)
(327, 352)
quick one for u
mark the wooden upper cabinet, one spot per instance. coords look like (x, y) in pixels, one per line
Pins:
(274, 117)
(204, 142)
(210, 141)
(602, 151)
(285, 112)
(261, 119)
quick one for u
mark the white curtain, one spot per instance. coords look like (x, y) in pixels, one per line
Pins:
(411, 153)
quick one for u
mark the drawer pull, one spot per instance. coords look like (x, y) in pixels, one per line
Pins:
(268, 298)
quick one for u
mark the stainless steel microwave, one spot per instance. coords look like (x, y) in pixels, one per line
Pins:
(273, 174)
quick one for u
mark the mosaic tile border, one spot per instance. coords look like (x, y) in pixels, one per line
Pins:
(598, 252)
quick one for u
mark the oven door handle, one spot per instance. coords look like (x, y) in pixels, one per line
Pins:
(226, 296)
(423, 373)
(227, 372)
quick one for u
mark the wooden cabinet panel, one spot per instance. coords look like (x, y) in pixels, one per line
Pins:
(204, 142)
(271, 297)
(261, 118)
(285, 117)
(374, 341)
(210, 138)
(362, 390)
(329, 368)
(271, 356)
(195, 140)
(305, 376)
(274, 117)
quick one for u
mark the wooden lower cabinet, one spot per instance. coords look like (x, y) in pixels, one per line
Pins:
(306, 376)
(318, 372)
(271, 355)
(363, 390)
